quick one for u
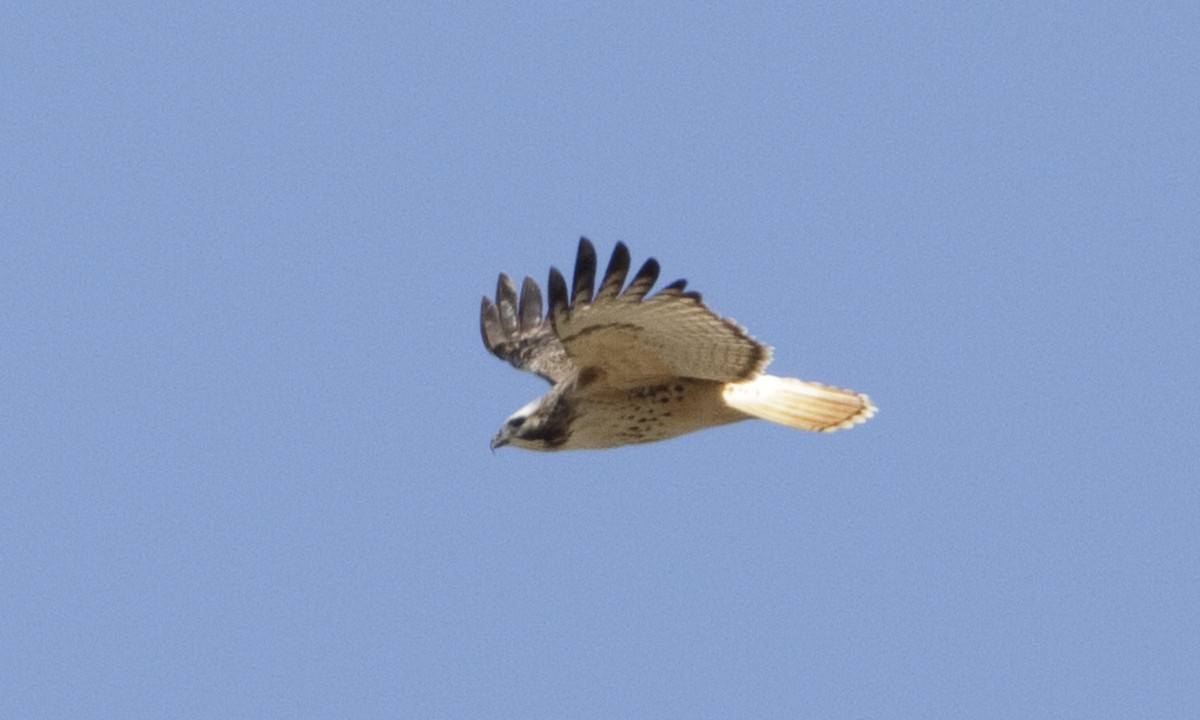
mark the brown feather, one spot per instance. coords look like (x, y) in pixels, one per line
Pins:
(522, 336)
(675, 289)
(506, 301)
(643, 281)
(585, 273)
(531, 305)
(557, 288)
(614, 275)
(489, 324)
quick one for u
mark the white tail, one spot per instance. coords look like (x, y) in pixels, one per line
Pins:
(798, 403)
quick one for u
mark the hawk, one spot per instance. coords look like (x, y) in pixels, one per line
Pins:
(626, 368)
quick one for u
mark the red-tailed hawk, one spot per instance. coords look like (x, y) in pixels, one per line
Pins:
(630, 369)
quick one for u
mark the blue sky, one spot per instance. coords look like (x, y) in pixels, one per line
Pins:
(244, 423)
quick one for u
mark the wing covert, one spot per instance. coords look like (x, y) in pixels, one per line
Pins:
(631, 339)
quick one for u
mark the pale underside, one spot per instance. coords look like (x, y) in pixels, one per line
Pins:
(650, 413)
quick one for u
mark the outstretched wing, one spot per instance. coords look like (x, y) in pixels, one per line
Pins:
(517, 331)
(622, 338)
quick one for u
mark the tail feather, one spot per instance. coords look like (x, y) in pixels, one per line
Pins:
(799, 403)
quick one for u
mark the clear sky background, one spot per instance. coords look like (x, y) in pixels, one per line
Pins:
(245, 409)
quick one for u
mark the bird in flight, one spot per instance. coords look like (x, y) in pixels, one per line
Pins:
(626, 368)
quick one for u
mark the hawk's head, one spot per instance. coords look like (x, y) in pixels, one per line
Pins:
(543, 424)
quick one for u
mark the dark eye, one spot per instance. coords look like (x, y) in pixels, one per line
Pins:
(516, 422)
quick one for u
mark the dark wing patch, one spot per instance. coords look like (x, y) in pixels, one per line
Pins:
(515, 330)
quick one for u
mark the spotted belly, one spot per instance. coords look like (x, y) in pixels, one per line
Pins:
(649, 413)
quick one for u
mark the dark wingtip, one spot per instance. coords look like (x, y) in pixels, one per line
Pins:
(614, 274)
(650, 268)
(643, 281)
(557, 289)
(531, 305)
(585, 272)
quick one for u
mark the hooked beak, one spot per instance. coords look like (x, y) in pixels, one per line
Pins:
(499, 441)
